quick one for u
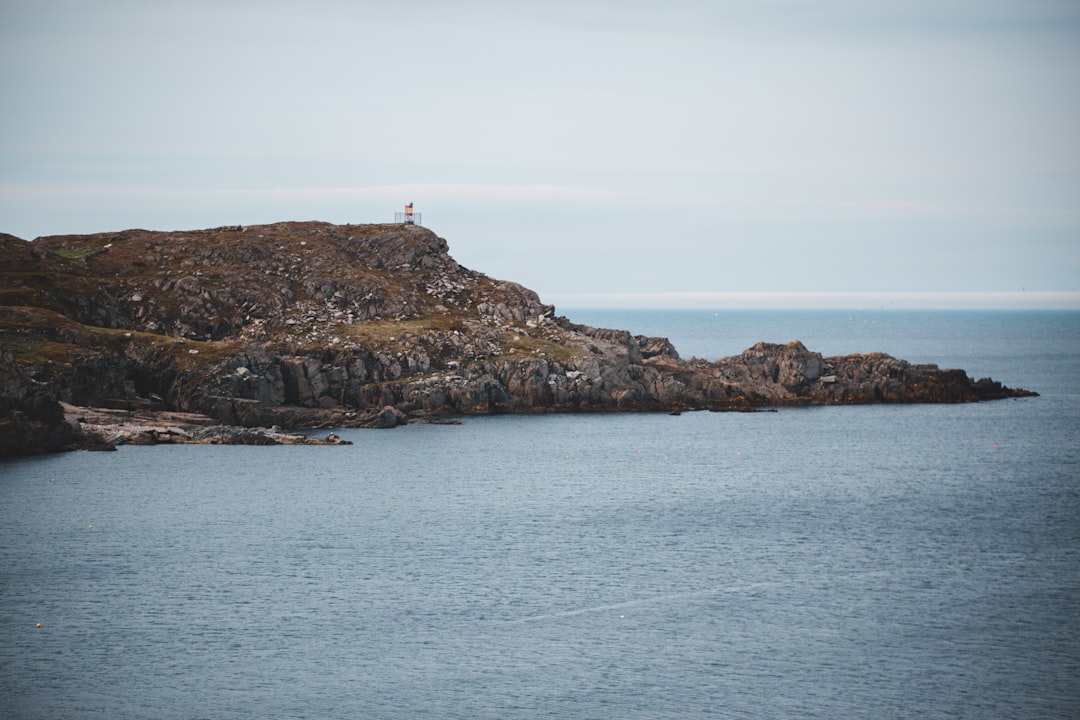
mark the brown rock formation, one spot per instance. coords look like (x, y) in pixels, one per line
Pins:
(304, 324)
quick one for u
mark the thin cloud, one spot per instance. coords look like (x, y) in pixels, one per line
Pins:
(460, 191)
(822, 300)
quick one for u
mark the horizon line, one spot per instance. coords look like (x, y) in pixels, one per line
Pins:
(821, 300)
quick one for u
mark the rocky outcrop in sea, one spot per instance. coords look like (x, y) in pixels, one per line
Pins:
(299, 325)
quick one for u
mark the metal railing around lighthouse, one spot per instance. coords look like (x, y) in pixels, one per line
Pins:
(407, 218)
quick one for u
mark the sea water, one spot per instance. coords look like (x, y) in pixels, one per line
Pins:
(884, 561)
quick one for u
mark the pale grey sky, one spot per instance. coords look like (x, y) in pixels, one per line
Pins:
(707, 149)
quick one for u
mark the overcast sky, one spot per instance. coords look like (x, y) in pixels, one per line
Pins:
(708, 149)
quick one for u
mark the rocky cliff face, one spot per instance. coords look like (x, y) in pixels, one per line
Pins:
(30, 418)
(299, 324)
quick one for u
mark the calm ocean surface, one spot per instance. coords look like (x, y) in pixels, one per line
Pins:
(855, 562)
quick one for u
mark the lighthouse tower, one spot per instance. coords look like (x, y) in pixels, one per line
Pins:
(408, 217)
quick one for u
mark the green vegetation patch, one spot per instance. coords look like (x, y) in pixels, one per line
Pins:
(196, 355)
(20, 288)
(388, 333)
(529, 345)
(36, 350)
(36, 335)
(76, 253)
(15, 319)
(13, 294)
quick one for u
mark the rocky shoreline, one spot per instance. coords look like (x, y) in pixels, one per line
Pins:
(234, 334)
(105, 429)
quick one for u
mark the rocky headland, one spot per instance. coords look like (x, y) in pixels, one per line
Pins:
(233, 334)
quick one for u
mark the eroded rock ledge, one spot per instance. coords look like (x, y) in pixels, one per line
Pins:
(300, 325)
(104, 429)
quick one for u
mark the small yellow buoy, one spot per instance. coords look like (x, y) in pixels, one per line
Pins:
(38, 625)
(90, 526)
